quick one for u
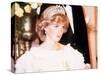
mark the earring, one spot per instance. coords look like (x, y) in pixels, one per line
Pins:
(45, 32)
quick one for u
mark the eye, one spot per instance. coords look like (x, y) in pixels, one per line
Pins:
(63, 26)
(56, 26)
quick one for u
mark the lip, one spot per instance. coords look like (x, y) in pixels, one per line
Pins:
(58, 36)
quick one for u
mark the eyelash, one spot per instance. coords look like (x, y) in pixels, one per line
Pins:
(58, 26)
(63, 26)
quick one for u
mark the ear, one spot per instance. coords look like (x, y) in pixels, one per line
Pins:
(46, 28)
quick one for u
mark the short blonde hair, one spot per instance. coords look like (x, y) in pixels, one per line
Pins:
(49, 16)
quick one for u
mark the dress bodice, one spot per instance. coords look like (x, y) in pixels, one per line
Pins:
(37, 60)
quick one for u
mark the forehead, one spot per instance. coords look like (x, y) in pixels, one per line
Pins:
(55, 23)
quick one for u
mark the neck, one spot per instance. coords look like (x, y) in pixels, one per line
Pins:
(50, 44)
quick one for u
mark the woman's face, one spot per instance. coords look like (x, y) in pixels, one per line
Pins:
(54, 31)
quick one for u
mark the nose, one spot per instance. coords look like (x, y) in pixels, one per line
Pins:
(60, 30)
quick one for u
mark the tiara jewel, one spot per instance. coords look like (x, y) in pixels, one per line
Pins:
(52, 10)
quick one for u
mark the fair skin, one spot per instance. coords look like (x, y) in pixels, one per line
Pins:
(53, 33)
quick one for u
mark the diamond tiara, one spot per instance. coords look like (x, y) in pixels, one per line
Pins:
(52, 10)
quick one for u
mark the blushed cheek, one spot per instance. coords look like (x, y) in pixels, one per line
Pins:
(51, 33)
(61, 31)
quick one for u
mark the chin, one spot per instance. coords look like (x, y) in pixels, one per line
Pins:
(57, 40)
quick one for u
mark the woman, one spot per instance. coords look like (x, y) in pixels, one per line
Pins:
(51, 55)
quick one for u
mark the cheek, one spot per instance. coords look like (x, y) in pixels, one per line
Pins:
(54, 31)
(49, 30)
(51, 33)
(57, 31)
